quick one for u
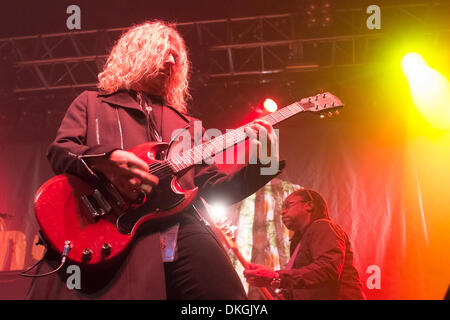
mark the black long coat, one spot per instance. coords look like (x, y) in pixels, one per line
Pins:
(96, 123)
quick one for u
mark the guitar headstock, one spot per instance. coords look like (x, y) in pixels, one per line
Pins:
(325, 104)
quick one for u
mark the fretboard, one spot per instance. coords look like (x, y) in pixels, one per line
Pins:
(214, 146)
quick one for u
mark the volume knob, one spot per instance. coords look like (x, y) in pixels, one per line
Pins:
(86, 254)
(106, 249)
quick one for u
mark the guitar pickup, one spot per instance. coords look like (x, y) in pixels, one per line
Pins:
(96, 204)
(120, 202)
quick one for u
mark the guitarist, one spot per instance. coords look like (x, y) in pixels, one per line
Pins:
(141, 97)
(321, 265)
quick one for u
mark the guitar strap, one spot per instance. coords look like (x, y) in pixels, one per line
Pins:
(289, 266)
(146, 103)
(294, 255)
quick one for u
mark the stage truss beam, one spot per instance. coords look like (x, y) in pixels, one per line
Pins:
(221, 48)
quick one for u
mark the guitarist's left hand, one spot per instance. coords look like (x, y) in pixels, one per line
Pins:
(262, 135)
(259, 275)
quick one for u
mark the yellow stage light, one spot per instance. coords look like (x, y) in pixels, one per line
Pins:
(430, 90)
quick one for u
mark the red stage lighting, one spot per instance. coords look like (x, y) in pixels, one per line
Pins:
(270, 105)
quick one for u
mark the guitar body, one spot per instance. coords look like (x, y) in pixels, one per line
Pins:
(63, 215)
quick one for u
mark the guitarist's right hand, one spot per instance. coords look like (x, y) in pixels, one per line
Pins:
(259, 275)
(126, 172)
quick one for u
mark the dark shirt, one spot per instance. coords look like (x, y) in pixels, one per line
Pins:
(323, 267)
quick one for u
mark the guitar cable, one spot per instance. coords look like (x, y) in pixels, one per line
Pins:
(67, 248)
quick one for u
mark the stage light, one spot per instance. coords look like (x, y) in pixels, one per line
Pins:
(270, 105)
(430, 90)
(413, 65)
(218, 211)
(318, 13)
(311, 14)
(325, 11)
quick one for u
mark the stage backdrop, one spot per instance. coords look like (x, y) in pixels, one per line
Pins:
(386, 184)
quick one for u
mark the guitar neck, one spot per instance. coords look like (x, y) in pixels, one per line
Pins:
(316, 104)
(215, 146)
(239, 256)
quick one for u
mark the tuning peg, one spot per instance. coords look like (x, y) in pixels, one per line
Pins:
(336, 112)
(330, 114)
(322, 116)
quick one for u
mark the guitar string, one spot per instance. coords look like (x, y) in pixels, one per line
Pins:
(163, 169)
(180, 160)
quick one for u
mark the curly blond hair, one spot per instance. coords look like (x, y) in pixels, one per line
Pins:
(140, 54)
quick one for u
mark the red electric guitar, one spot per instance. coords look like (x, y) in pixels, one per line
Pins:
(94, 225)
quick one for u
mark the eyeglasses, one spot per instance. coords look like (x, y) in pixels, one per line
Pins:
(287, 205)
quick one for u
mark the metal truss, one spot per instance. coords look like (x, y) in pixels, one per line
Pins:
(220, 49)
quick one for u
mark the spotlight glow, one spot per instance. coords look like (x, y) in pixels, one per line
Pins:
(270, 105)
(430, 90)
(218, 211)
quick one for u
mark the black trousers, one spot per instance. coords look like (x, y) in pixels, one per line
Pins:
(202, 269)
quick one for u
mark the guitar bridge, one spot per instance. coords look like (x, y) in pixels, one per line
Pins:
(96, 204)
